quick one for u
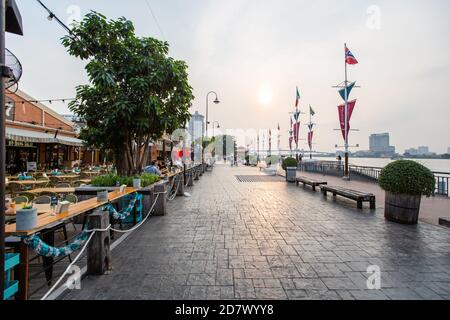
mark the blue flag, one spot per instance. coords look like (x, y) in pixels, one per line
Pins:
(349, 89)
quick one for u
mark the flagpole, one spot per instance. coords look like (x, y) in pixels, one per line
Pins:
(346, 171)
(310, 129)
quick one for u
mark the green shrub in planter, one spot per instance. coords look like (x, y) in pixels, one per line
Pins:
(405, 182)
(407, 177)
(112, 180)
(289, 162)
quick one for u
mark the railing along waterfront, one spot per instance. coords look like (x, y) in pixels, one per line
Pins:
(336, 168)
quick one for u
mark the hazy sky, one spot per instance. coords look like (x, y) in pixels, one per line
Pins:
(254, 53)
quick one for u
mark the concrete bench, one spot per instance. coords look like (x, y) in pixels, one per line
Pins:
(355, 195)
(310, 182)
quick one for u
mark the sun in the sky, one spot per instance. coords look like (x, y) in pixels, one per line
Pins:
(265, 95)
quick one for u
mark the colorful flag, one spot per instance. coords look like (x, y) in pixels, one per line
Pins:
(349, 89)
(296, 132)
(310, 137)
(311, 111)
(349, 57)
(310, 126)
(341, 110)
(297, 116)
(297, 101)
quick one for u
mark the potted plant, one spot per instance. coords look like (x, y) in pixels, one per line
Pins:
(405, 182)
(26, 218)
(290, 166)
(137, 183)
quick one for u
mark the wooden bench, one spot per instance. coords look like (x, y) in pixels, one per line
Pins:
(357, 196)
(310, 182)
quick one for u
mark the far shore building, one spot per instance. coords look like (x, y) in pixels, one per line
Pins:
(38, 138)
(380, 145)
(448, 150)
(196, 128)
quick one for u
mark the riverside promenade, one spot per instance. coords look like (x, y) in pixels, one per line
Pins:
(266, 239)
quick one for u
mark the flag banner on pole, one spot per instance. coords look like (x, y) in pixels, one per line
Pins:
(349, 57)
(297, 100)
(310, 139)
(311, 111)
(296, 132)
(297, 115)
(310, 126)
(349, 89)
(341, 109)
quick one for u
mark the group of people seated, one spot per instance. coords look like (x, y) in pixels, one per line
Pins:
(157, 167)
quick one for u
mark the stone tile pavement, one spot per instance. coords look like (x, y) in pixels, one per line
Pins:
(270, 240)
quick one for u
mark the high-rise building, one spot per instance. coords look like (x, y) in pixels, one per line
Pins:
(423, 150)
(380, 144)
(448, 150)
(197, 126)
(197, 131)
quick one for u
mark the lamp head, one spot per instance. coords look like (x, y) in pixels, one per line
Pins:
(217, 101)
(50, 17)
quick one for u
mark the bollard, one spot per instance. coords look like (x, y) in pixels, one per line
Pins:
(196, 174)
(161, 203)
(98, 251)
(181, 187)
(190, 178)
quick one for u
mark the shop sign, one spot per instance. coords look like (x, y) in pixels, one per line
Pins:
(21, 144)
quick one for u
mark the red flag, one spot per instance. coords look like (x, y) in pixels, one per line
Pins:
(341, 110)
(310, 139)
(296, 132)
(349, 57)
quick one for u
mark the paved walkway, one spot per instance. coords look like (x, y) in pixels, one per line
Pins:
(270, 240)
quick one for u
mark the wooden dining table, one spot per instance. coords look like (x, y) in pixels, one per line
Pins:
(29, 183)
(53, 190)
(48, 220)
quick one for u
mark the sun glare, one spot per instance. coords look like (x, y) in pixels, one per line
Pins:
(265, 95)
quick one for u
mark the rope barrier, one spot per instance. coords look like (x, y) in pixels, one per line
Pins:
(93, 231)
(122, 215)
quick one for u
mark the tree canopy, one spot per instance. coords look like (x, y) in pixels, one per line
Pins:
(137, 92)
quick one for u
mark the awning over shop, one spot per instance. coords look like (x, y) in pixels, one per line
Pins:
(41, 137)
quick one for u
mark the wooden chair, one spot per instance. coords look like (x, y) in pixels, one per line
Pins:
(44, 179)
(77, 184)
(42, 200)
(15, 188)
(48, 194)
(55, 180)
(21, 200)
(29, 195)
(63, 185)
(71, 198)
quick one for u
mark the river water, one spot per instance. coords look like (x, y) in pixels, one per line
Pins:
(435, 165)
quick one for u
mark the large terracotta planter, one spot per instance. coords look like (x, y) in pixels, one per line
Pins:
(402, 208)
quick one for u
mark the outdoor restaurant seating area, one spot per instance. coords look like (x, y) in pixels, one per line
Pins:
(35, 187)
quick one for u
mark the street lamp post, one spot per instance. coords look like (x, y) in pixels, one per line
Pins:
(216, 101)
(214, 127)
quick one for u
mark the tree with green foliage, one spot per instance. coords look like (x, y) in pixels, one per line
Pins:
(136, 91)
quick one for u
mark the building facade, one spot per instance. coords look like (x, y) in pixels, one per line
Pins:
(380, 144)
(196, 128)
(38, 138)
